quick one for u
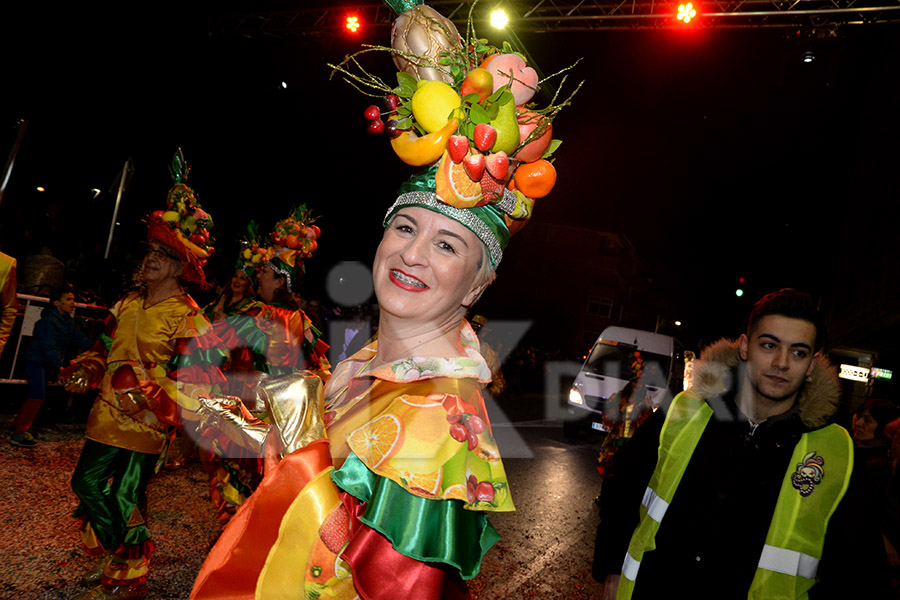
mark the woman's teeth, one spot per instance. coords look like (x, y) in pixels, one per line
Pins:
(408, 280)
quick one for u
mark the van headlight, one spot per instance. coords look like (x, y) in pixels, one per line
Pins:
(575, 396)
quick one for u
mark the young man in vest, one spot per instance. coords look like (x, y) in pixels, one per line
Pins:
(748, 482)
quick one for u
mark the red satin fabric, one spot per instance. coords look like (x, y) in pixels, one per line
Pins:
(165, 408)
(233, 566)
(382, 573)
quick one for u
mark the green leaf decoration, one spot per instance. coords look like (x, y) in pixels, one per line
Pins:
(467, 129)
(401, 6)
(472, 98)
(406, 85)
(179, 168)
(479, 115)
(554, 144)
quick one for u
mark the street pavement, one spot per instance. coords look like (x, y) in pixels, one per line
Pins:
(545, 550)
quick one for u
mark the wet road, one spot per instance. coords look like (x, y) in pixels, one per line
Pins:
(547, 544)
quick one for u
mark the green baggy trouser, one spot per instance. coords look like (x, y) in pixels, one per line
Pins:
(111, 484)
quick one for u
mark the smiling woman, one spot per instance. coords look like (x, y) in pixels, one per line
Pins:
(386, 493)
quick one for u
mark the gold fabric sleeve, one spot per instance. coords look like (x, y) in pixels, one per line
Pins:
(295, 404)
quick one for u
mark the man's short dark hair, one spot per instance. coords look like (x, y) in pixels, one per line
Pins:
(791, 303)
(57, 292)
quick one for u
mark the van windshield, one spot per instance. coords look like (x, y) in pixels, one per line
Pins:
(616, 360)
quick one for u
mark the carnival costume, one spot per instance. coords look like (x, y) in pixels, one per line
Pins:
(380, 487)
(294, 343)
(234, 472)
(266, 340)
(148, 382)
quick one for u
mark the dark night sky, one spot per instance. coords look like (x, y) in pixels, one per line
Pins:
(719, 153)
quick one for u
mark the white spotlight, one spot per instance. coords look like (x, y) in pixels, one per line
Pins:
(499, 19)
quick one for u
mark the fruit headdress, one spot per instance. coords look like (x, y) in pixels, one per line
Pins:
(253, 254)
(294, 240)
(462, 111)
(184, 226)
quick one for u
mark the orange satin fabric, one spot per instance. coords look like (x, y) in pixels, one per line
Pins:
(232, 568)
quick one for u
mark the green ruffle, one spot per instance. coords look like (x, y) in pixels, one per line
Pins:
(430, 530)
(210, 357)
(246, 330)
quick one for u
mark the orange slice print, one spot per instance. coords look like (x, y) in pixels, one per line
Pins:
(377, 440)
(429, 483)
(429, 401)
(457, 491)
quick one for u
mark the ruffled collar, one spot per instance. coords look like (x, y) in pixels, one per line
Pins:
(418, 368)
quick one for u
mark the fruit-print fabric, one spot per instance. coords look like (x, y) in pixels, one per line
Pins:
(420, 422)
(408, 514)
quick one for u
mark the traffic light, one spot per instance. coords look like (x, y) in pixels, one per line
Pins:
(352, 23)
(740, 288)
(687, 11)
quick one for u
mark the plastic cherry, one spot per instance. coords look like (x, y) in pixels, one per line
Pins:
(391, 102)
(392, 129)
(372, 113)
(375, 127)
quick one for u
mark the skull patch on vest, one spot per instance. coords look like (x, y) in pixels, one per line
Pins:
(808, 474)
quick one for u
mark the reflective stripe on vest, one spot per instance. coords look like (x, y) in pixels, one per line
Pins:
(656, 506)
(788, 563)
(656, 510)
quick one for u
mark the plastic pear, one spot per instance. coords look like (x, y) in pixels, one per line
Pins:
(507, 128)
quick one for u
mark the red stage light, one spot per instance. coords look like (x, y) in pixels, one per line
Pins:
(686, 12)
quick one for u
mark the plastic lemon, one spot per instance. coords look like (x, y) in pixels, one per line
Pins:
(433, 104)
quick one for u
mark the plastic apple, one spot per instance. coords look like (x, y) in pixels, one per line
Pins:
(478, 81)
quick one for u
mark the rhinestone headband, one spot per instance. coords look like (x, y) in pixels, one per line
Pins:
(460, 215)
(285, 273)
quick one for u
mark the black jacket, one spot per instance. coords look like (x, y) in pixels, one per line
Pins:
(55, 337)
(713, 532)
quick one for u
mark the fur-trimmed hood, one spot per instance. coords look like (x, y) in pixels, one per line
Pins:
(818, 399)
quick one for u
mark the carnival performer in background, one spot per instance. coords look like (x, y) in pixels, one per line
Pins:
(233, 316)
(624, 412)
(386, 479)
(294, 344)
(147, 387)
(234, 472)
(269, 338)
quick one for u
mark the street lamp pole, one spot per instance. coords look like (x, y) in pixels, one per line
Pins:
(22, 125)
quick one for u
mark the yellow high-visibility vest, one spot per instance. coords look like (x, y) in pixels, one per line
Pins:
(807, 499)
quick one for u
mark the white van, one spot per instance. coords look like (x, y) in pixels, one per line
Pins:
(608, 369)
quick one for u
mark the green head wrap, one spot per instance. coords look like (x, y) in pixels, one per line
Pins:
(486, 221)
